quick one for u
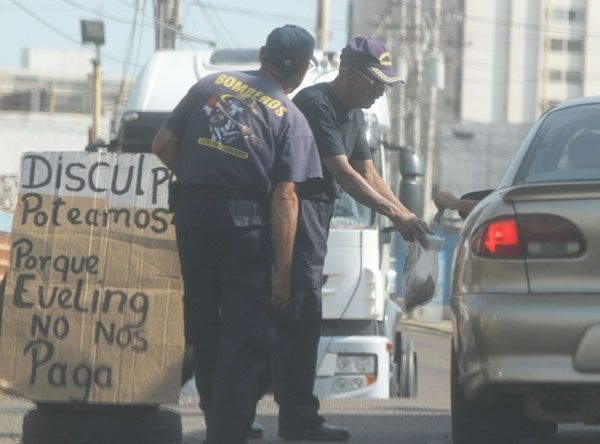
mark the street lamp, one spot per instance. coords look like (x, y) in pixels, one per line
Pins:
(92, 31)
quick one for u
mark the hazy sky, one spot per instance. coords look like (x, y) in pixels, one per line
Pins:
(230, 23)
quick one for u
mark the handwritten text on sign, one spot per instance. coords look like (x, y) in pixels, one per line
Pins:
(92, 248)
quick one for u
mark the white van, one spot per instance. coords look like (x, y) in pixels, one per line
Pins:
(361, 354)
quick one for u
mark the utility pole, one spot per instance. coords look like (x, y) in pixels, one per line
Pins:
(322, 40)
(396, 38)
(413, 82)
(166, 16)
(92, 31)
(97, 95)
(430, 118)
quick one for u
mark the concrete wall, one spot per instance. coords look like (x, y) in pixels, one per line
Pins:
(475, 156)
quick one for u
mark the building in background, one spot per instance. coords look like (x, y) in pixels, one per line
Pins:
(505, 63)
(46, 106)
(524, 57)
(57, 81)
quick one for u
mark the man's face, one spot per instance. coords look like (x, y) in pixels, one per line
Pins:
(364, 90)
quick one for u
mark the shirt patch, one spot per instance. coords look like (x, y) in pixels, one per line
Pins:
(227, 115)
(222, 147)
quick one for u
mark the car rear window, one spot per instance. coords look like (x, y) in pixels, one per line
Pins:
(565, 148)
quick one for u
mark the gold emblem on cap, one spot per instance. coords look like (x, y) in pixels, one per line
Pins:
(385, 78)
(385, 59)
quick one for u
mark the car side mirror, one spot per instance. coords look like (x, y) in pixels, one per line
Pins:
(474, 195)
(412, 169)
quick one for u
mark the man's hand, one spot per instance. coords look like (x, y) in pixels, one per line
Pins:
(446, 200)
(280, 289)
(413, 228)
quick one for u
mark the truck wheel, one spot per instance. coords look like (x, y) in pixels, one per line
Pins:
(473, 423)
(45, 426)
(394, 377)
(407, 371)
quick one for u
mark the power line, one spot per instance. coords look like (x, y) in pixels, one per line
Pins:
(100, 13)
(265, 15)
(55, 29)
(507, 23)
(128, 55)
(179, 32)
(220, 33)
(220, 22)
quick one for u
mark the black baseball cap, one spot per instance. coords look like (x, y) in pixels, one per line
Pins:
(369, 56)
(288, 46)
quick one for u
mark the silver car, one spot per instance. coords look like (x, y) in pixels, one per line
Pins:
(526, 289)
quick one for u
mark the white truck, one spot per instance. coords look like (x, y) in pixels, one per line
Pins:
(361, 353)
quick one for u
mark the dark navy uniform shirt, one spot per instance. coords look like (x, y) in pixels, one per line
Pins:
(239, 131)
(338, 130)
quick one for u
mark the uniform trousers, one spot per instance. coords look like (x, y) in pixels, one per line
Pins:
(226, 260)
(298, 326)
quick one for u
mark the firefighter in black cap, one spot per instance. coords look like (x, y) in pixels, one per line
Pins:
(238, 147)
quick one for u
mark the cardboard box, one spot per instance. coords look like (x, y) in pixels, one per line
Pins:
(93, 308)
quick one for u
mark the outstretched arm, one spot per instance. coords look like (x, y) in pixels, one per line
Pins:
(448, 200)
(410, 226)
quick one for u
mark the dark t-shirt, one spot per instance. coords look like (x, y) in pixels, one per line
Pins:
(337, 130)
(239, 131)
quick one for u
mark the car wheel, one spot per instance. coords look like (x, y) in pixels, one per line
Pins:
(473, 423)
(407, 371)
(101, 426)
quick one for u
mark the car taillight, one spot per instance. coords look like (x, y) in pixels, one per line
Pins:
(528, 235)
(498, 238)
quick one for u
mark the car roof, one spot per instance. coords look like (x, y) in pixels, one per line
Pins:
(576, 102)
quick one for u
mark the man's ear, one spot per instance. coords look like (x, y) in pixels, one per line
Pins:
(261, 54)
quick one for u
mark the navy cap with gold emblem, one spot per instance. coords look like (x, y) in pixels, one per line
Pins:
(370, 56)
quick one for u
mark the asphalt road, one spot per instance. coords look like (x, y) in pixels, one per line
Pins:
(423, 420)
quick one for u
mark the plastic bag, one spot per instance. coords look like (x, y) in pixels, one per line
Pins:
(420, 273)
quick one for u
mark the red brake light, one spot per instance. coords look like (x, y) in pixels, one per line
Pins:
(528, 235)
(498, 238)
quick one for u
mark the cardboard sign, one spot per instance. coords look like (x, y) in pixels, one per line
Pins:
(92, 308)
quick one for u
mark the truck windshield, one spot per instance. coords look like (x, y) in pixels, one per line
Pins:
(349, 213)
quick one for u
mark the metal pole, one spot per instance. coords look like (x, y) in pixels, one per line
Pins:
(166, 16)
(396, 37)
(322, 40)
(413, 82)
(97, 96)
(432, 107)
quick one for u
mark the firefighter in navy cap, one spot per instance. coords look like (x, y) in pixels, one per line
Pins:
(239, 148)
(333, 111)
